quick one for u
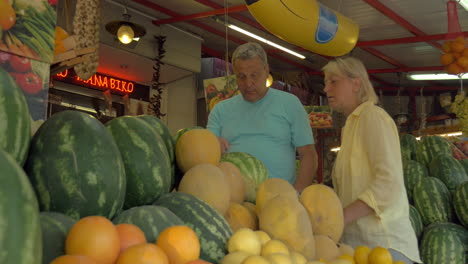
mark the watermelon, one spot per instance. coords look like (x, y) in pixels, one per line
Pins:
(413, 172)
(252, 169)
(163, 131)
(212, 229)
(448, 170)
(464, 164)
(409, 143)
(20, 230)
(54, 227)
(442, 244)
(460, 203)
(151, 219)
(416, 221)
(75, 166)
(432, 199)
(459, 230)
(15, 121)
(144, 154)
(431, 146)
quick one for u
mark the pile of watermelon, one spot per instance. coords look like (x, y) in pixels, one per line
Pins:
(436, 181)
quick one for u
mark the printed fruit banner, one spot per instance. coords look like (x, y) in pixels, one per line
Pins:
(30, 76)
(27, 28)
(319, 116)
(219, 89)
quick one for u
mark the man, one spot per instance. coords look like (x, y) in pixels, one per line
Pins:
(266, 123)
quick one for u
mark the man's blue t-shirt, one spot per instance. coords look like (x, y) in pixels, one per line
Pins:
(269, 129)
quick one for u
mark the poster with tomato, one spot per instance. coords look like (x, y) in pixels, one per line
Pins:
(319, 116)
(219, 89)
(27, 28)
(32, 77)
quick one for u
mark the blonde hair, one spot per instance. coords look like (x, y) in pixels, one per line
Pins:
(353, 68)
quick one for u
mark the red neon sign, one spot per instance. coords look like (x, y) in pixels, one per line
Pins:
(100, 82)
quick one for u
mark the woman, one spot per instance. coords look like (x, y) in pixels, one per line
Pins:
(368, 174)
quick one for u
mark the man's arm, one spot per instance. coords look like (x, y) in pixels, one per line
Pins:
(307, 166)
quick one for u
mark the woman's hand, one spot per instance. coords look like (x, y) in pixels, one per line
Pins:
(356, 210)
(223, 144)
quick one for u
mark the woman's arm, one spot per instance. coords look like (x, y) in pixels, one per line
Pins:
(356, 210)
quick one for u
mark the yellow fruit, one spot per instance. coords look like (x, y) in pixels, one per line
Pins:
(361, 254)
(398, 262)
(256, 260)
(235, 257)
(322, 260)
(346, 249)
(315, 262)
(298, 258)
(339, 261)
(279, 258)
(245, 239)
(273, 247)
(380, 255)
(263, 236)
(325, 248)
(347, 257)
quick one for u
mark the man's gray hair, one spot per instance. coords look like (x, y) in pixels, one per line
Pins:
(248, 51)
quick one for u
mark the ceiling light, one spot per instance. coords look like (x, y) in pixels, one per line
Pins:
(245, 32)
(125, 30)
(435, 76)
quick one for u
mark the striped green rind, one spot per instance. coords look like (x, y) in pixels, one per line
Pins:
(252, 169)
(432, 199)
(163, 131)
(464, 163)
(409, 143)
(54, 227)
(146, 161)
(431, 146)
(416, 221)
(442, 244)
(20, 230)
(413, 173)
(458, 230)
(212, 229)
(460, 203)
(447, 169)
(75, 166)
(15, 121)
(151, 219)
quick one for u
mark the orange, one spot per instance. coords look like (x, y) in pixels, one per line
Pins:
(446, 46)
(453, 68)
(361, 254)
(147, 253)
(380, 255)
(129, 235)
(69, 259)
(180, 243)
(456, 55)
(462, 61)
(456, 46)
(446, 58)
(465, 52)
(460, 40)
(95, 237)
(198, 261)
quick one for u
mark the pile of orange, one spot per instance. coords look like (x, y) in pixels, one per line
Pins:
(96, 240)
(455, 57)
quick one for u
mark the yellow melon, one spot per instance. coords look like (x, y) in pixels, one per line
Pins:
(346, 249)
(239, 216)
(236, 257)
(284, 218)
(325, 248)
(271, 188)
(324, 209)
(235, 179)
(207, 182)
(244, 239)
(197, 146)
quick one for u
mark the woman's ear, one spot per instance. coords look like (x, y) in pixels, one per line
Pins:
(356, 84)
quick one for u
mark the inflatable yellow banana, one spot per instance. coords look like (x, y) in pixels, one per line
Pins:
(308, 24)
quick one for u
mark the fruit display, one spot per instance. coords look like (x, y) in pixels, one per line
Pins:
(455, 56)
(319, 116)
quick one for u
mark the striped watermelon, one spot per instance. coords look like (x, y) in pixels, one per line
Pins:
(20, 230)
(75, 166)
(15, 121)
(464, 164)
(413, 173)
(460, 203)
(408, 142)
(163, 131)
(432, 199)
(442, 244)
(431, 146)
(416, 221)
(212, 229)
(448, 170)
(144, 154)
(252, 169)
(54, 227)
(151, 219)
(458, 230)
